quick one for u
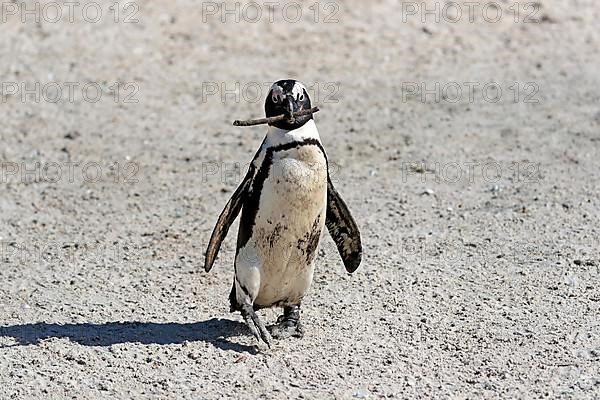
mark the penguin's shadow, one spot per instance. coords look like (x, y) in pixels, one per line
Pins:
(214, 331)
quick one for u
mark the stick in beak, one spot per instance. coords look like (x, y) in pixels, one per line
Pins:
(289, 107)
(260, 121)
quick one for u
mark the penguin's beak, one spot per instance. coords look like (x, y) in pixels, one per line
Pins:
(289, 107)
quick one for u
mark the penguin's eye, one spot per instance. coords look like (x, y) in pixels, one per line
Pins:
(276, 98)
(301, 97)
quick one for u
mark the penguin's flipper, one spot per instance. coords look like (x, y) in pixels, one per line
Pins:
(343, 229)
(228, 215)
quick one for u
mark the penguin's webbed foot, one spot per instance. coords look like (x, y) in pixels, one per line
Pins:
(255, 324)
(288, 324)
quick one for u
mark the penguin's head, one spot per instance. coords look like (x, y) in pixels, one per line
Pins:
(285, 97)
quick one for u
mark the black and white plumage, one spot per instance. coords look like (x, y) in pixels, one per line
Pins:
(286, 199)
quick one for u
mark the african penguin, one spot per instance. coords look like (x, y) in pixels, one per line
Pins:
(286, 198)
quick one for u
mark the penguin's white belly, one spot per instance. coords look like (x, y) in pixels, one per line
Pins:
(288, 225)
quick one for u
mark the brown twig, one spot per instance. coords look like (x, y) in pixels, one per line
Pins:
(269, 120)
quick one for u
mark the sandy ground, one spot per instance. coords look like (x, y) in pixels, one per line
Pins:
(479, 217)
